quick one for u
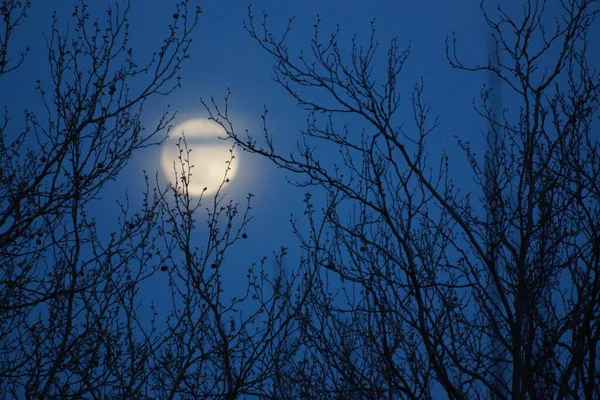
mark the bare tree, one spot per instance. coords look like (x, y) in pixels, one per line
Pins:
(219, 345)
(67, 291)
(412, 288)
(73, 321)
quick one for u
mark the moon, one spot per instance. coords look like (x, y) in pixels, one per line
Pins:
(209, 159)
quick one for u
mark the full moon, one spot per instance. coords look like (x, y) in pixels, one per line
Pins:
(209, 159)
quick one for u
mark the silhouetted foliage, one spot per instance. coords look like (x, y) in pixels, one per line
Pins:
(419, 283)
(411, 284)
(73, 319)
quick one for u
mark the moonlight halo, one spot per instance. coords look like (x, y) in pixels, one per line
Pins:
(209, 157)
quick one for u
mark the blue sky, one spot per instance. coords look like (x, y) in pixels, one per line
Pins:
(224, 57)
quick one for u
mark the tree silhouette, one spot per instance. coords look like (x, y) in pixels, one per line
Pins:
(419, 283)
(73, 320)
(410, 284)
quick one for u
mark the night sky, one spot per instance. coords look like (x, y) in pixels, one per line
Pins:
(225, 58)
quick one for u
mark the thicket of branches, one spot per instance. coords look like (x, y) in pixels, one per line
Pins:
(418, 283)
(73, 322)
(411, 285)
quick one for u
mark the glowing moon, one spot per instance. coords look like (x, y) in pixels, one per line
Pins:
(209, 158)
